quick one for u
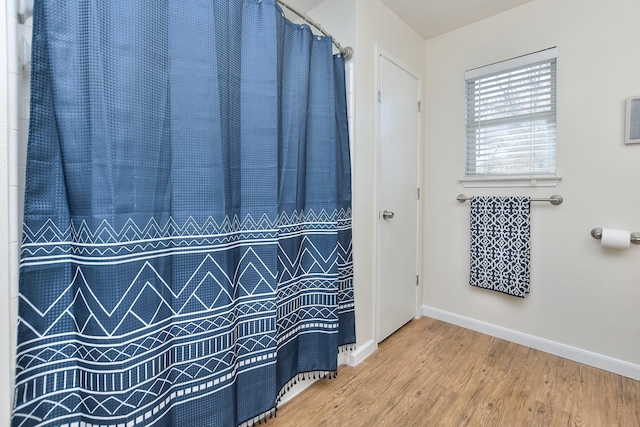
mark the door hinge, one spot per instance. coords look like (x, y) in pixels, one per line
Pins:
(417, 280)
(418, 193)
(419, 106)
(379, 96)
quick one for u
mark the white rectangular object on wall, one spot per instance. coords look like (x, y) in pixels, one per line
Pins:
(632, 127)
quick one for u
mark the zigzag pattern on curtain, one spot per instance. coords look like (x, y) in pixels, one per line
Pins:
(240, 331)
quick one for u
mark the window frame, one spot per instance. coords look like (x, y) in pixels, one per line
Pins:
(511, 179)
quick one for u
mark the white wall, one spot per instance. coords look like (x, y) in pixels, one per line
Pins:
(376, 25)
(581, 295)
(8, 196)
(338, 18)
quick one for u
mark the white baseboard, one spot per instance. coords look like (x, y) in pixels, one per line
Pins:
(356, 356)
(576, 354)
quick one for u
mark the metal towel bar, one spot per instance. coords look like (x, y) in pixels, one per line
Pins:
(554, 200)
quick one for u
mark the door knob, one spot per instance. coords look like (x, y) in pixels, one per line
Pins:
(387, 214)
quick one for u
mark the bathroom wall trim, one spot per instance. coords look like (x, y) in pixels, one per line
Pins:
(358, 355)
(576, 354)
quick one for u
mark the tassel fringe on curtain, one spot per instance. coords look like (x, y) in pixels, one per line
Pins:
(187, 233)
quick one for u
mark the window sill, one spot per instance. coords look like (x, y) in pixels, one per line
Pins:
(510, 181)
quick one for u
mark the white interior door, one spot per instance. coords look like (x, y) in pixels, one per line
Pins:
(399, 133)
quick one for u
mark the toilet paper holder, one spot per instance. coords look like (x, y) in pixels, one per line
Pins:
(597, 234)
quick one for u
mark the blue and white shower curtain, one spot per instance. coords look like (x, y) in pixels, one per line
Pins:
(187, 234)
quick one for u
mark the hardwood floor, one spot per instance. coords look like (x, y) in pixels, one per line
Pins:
(432, 373)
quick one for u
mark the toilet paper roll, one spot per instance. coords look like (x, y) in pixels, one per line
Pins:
(616, 239)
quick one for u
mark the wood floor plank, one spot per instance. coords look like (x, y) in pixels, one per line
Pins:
(432, 373)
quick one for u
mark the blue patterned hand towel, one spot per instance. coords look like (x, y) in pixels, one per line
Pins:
(500, 248)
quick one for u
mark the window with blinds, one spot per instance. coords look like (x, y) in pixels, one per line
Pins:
(511, 117)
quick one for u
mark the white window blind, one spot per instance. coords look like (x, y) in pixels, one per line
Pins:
(511, 117)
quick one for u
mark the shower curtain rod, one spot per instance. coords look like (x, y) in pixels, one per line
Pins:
(347, 52)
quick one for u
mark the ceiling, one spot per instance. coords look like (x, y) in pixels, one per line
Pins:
(304, 5)
(430, 18)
